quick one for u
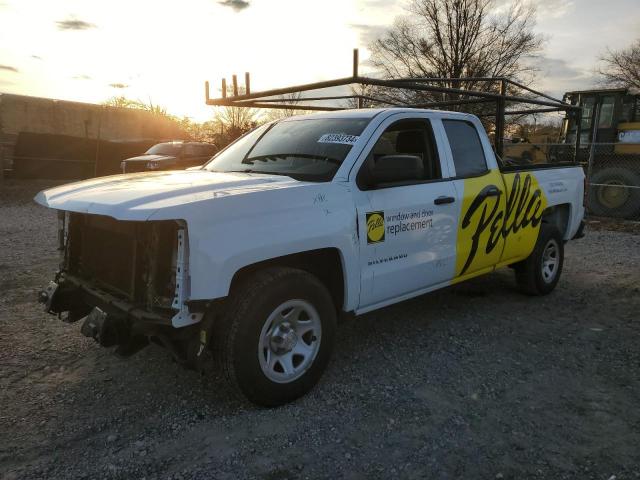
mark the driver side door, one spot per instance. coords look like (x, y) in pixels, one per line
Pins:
(407, 230)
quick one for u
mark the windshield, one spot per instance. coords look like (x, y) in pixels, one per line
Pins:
(310, 149)
(165, 149)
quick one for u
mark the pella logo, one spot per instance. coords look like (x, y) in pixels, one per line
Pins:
(375, 227)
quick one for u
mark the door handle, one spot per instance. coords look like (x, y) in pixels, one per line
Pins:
(494, 192)
(442, 200)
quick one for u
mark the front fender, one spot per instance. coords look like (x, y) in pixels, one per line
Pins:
(232, 233)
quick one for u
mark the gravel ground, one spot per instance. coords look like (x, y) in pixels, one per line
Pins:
(475, 381)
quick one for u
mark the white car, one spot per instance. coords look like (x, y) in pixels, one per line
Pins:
(300, 221)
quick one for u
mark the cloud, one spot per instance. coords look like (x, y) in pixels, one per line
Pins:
(118, 85)
(236, 5)
(557, 76)
(9, 68)
(378, 3)
(81, 77)
(545, 9)
(369, 33)
(74, 24)
(555, 67)
(553, 8)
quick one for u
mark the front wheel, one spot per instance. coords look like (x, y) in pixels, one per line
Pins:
(277, 335)
(540, 272)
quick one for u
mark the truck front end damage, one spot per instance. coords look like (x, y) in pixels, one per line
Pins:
(127, 280)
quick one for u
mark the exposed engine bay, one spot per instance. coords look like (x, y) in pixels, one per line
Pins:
(125, 279)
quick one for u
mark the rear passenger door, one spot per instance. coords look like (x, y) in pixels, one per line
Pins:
(407, 229)
(481, 200)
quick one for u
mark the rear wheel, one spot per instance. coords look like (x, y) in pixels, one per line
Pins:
(540, 272)
(277, 336)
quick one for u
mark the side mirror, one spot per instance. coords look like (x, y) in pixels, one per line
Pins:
(396, 168)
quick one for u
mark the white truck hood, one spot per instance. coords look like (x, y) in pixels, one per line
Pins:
(138, 196)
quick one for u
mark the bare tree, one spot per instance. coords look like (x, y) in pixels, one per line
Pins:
(621, 68)
(209, 131)
(234, 121)
(291, 99)
(236, 118)
(221, 130)
(124, 102)
(365, 100)
(455, 39)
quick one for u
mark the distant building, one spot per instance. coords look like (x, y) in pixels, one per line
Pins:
(20, 113)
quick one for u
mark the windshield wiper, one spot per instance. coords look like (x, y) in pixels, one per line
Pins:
(299, 155)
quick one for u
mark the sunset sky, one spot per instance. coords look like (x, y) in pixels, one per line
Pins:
(163, 51)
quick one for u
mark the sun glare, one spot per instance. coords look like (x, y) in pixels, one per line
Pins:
(160, 53)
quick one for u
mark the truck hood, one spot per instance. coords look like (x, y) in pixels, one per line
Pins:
(138, 196)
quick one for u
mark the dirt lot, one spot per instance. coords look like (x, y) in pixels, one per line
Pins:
(476, 381)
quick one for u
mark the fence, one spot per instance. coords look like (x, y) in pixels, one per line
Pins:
(50, 156)
(612, 171)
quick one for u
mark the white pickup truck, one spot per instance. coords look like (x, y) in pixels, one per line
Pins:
(256, 254)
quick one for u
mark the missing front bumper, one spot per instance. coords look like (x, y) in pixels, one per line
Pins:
(111, 321)
(72, 299)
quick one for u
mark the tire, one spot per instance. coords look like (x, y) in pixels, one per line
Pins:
(608, 198)
(276, 337)
(540, 272)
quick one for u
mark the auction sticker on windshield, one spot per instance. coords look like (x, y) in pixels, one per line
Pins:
(342, 138)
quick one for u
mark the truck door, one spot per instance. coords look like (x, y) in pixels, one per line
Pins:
(407, 228)
(481, 197)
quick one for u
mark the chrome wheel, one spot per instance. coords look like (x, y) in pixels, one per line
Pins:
(289, 341)
(550, 261)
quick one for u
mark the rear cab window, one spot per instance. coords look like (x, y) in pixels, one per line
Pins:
(466, 148)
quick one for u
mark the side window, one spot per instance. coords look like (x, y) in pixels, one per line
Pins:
(606, 112)
(468, 154)
(209, 150)
(627, 109)
(191, 150)
(588, 105)
(405, 137)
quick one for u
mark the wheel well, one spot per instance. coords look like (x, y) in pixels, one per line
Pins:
(324, 264)
(558, 215)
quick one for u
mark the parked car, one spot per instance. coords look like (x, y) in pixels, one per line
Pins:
(176, 155)
(254, 256)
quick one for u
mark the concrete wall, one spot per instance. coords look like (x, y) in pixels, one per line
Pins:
(19, 113)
